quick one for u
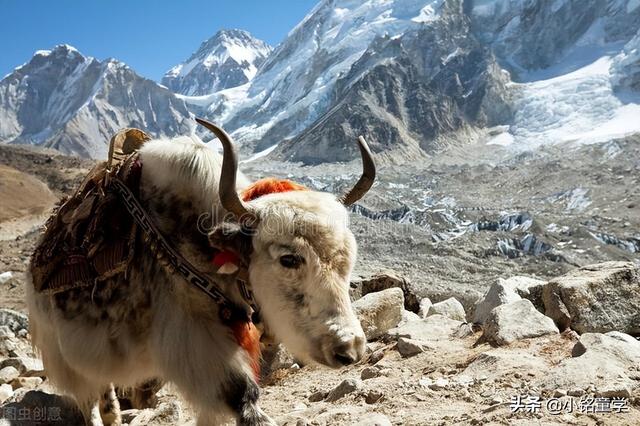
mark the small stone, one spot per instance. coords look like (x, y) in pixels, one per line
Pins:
(14, 320)
(410, 347)
(25, 365)
(559, 393)
(369, 373)
(575, 392)
(6, 392)
(614, 390)
(276, 357)
(5, 277)
(167, 413)
(318, 396)
(496, 400)
(8, 374)
(8, 346)
(376, 357)
(346, 387)
(302, 422)
(425, 305)
(6, 333)
(373, 419)
(450, 308)
(373, 396)
(439, 384)
(129, 415)
(300, 406)
(295, 367)
(26, 382)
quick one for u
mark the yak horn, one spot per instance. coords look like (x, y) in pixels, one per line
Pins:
(227, 186)
(367, 178)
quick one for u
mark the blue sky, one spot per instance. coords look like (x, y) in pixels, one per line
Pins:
(150, 36)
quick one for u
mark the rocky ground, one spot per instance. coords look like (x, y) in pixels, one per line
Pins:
(501, 348)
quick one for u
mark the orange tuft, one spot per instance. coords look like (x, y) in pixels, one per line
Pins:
(248, 337)
(270, 186)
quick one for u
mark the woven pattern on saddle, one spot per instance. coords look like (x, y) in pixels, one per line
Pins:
(90, 236)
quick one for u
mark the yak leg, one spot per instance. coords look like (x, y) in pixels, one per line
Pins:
(91, 412)
(110, 408)
(144, 395)
(241, 395)
(85, 392)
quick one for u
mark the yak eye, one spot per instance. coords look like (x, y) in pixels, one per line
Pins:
(291, 261)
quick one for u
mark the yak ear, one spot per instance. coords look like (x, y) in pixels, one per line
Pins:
(228, 236)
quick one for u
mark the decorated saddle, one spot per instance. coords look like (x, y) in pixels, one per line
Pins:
(90, 236)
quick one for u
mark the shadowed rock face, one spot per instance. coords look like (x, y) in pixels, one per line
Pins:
(626, 66)
(405, 93)
(64, 100)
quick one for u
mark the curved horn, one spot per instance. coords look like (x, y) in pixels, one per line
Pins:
(227, 187)
(367, 178)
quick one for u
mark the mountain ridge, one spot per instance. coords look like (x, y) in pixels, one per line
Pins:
(230, 58)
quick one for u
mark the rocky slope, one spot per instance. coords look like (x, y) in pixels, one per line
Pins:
(229, 59)
(513, 366)
(64, 100)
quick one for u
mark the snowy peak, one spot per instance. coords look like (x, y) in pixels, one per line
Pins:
(64, 100)
(228, 59)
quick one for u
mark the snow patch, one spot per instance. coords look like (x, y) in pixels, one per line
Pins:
(503, 139)
(260, 154)
(632, 5)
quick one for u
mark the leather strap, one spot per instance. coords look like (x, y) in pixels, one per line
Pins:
(229, 310)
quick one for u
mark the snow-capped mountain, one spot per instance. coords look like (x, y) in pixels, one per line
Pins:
(296, 82)
(412, 76)
(398, 71)
(409, 94)
(228, 59)
(64, 100)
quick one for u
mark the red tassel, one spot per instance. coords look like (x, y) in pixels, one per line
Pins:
(248, 338)
(223, 257)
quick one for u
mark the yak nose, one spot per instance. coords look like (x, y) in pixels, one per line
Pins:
(350, 352)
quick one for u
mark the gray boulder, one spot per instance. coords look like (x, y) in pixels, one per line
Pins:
(508, 291)
(382, 281)
(516, 320)
(609, 364)
(450, 308)
(596, 298)
(435, 327)
(380, 311)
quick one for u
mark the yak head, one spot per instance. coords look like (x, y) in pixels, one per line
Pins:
(299, 254)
